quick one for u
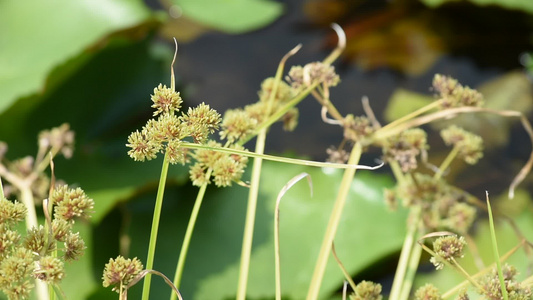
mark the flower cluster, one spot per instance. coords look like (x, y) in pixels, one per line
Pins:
(469, 145)
(120, 272)
(226, 168)
(367, 290)
(492, 288)
(35, 255)
(453, 94)
(312, 73)
(427, 292)
(166, 133)
(447, 248)
(357, 128)
(405, 147)
(443, 206)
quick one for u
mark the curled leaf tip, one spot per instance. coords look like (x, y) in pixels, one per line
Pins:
(340, 34)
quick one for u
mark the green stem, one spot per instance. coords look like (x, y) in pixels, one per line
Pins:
(495, 250)
(405, 255)
(412, 115)
(155, 227)
(334, 220)
(412, 266)
(250, 218)
(188, 235)
(446, 163)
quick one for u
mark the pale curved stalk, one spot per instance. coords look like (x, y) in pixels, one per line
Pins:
(293, 161)
(333, 223)
(343, 269)
(277, 259)
(155, 227)
(188, 235)
(409, 277)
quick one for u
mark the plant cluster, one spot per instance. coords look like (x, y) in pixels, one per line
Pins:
(36, 259)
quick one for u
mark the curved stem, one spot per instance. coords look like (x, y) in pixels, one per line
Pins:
(334, 220)
(188, 235)
(446, 163)
(155, 227)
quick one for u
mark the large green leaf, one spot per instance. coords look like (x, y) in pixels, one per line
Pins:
(102, 113)
(232, 16)
(524, 5)
(367, 233)
(37, 36)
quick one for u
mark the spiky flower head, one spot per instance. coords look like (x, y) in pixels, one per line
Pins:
(236, 125)
(453, 94)
(460, 217)
(165, 100)
(16, 272)
(315, 72)
(367, 290)
(283, 94)
(35, 240)
(427, 292)
(447, 248)
(357, 128)
(8, 239)
(142, 148)
(60, 138)
(201, 121)
(121, 271)
(49, 269)
(405, 147)
(71, 203)
(74, 247)
(492, 289)
(469, 145)
(60, 229)
(11, 212)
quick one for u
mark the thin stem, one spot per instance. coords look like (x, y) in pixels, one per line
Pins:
(250, 218)
(334, 220)
(412, 266)
(188, 235)
(414, 114)
(407, 247)
(343, 269)
(281, 159)
(446, 163)
(495, 250)
(155, 226)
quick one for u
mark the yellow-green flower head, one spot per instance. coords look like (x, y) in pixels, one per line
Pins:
(283, 94)
(15, 274)
(61, 138)
(74, 247)
(11, 212)
(357, 128)
(49, 269)
(142, 148)
(121, 271)
(447, 248)
(515, 290)
(315, 72)
(405, 147)
(200, 122)
(165, 100)
(470, 145)
(367, 290)
(460, 217)
(453, 94)
(73, 203)
(427, 292)
(236, 125)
